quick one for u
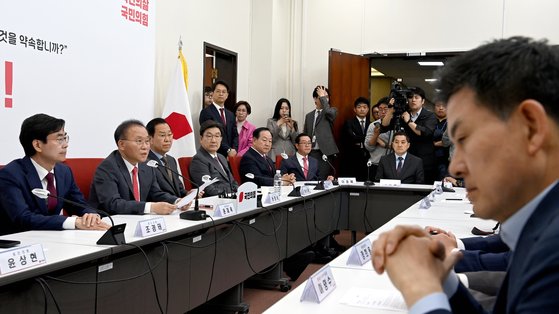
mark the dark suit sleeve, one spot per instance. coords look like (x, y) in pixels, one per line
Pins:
(419, 174)
(110, 192)
(482, 261)
(204, 115)
(18, 207)
(492, 244)
(380, 169)
(463, 302)
(427, 124)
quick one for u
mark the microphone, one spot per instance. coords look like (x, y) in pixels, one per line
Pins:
(113, 236)
(369, 182)
(195, 214)
(325, 158)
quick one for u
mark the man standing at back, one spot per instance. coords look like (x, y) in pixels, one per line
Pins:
(222, 115)
(45, 143)
(161, 141)
(319, 124)
(503, 111)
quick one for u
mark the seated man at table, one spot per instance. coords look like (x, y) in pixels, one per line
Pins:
(256, 162)
(45, 143)
(303, 166)
(400, 165)
(207, 162)
(123, 183)
(161, 141)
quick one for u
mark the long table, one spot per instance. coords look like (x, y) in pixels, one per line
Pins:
(192, 262)
(444, 213)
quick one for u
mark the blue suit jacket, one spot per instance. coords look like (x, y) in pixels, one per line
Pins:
(112, 191)
(231, 137)
(263, 170)
(484, 254)
(532, 281)
(291, 165)
(20, 210)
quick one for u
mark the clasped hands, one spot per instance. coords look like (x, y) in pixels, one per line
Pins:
(416, 262)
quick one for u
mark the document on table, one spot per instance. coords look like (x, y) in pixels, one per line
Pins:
(190, 196)
(375, 299)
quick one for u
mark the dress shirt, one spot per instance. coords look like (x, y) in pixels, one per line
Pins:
(129, 166)
(301, 161)
(317, 112)
(510, 233)
(70, 222)
(414, 116)
(403, 160)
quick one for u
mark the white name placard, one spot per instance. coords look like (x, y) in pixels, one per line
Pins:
(328, 184)
(224, 210)
(272, 198)
(360, 253)
(346, 181)
(425, 203)
(319, 286)
(21, 258)
(246, 197)
(390, 182)
(150, 227)
(305, 190)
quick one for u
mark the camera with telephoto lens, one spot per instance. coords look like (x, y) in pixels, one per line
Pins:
(400, 95)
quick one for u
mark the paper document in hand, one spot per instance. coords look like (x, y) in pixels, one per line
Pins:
(187, 199)
(208, 183)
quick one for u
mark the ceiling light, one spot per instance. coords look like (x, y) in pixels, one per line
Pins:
(430, 63)
(431, 80)
(375, 72)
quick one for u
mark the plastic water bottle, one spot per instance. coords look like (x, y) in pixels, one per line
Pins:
(277, 182)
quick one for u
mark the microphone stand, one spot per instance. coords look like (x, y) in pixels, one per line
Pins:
(325, 158)
(369, 182)
(195, 214)
(113, 236)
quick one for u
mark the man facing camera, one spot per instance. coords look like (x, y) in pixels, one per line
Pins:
(161, 141)
(207, 162)
(303, 166)
(256, 161)
(400, 165)
(123, 183)
(45, 143)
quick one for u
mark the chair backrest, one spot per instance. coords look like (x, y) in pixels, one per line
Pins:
(234, 164)
(184, 165)
(278, 161)
(83, 170)
(1, 166)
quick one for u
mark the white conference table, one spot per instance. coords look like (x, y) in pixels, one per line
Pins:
(446, 214)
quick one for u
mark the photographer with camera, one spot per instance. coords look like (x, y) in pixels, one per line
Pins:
(418, 122)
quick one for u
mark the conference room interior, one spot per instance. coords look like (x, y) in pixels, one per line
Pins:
(264, 50)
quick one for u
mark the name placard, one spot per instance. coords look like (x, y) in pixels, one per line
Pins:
(21, 258)
(328, 184)
(346, 181)
(425, 203)
(390, 182)
(360, 253)
(224, 210)
(319, 286)
(246, 197)
(150, 227)
(272, 198)
(305, 190)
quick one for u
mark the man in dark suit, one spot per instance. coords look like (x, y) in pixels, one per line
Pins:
(503, 89)
(207, 162)
(319, 124)
(400, 164)
(419, 123)
(45, 142)
(297, 164)
(256, 162)
(123, 183)
(354, 130)
(161, 141)
(217, 112)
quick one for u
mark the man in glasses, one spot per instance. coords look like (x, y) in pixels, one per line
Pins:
(123, 183)
(303, 166)
(45, 143)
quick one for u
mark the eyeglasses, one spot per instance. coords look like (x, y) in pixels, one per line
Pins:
(304, 143)
(62, 139)
(210, 137)
(138, 142)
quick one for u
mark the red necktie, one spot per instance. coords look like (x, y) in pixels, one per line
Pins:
(51, 201)
(135, 185)
(306, 167)
(223, 115)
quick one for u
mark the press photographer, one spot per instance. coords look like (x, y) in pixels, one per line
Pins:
(418, 122)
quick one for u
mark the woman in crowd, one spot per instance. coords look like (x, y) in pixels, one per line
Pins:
(244, 128)
(284, 130)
